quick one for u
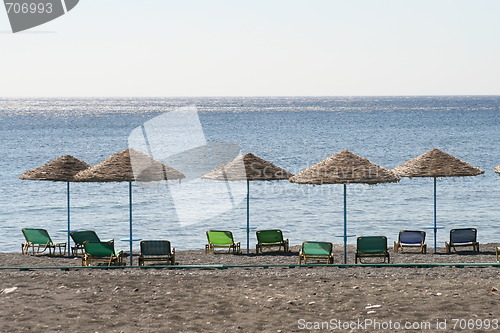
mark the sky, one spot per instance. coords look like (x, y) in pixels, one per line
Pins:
(163, 48)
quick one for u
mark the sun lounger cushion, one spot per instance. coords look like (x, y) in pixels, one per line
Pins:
(411, 239)
(463, 237)
(40, 240)
(269, 238)
(221, 239)
(372, 247)
(158, 251)
(320, 252)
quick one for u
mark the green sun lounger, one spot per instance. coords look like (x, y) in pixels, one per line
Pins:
(101, 253)
(320, 252)
(372, 247)
(40, 240)
(270, 238)
(221, 239)
(158, 251)
(79, 237)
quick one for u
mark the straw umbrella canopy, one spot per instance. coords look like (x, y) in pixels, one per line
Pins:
(62, 169)
(250, 168)
(345, 168)
(129, 165)
(497, 169)
(436, 163)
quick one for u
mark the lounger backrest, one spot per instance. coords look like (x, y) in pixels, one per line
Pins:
(99, 249)
(372, 244)
(79, 237)
(220, 237)
(411, 237)
(37, 236)
(466, 235)
(155, 247)
(269, 236)
(317, 248)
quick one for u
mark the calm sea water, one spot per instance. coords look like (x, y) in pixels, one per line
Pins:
(293, 133)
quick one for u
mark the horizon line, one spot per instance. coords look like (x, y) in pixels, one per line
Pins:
(248, 96)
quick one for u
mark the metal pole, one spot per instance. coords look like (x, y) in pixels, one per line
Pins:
(69, 223)
(345, 223)
(248, 216)
(435, 218)
(130, 220)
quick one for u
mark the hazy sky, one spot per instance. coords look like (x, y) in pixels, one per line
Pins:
(257, 48)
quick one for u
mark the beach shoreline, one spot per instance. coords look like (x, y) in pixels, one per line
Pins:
(244, 299)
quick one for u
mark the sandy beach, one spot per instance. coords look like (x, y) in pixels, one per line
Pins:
(279, 299)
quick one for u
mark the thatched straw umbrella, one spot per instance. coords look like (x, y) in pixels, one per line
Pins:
(345, 168)
(250, 168)
(436, 163)
(497, 169)
(62, 169)
(127, 166)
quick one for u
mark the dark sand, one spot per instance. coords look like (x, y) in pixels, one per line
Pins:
(251, 299)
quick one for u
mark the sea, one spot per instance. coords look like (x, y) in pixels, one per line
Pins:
(291, 132)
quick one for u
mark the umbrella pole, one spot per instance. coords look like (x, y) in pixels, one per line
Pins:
(345, 223)
(435, 218)
(69, 223)
(130, 220)
(248, 216)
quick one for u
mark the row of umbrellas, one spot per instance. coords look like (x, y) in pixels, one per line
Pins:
(344, 168)
(125, 166)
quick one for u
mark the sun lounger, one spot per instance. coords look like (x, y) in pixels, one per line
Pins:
(270, 238)
(40, 240)
(462, 238)
(158, 251)
(221, 239)
(411, 239)
(101, 252)
(320, 252)
(79, 237)
(372, 247)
